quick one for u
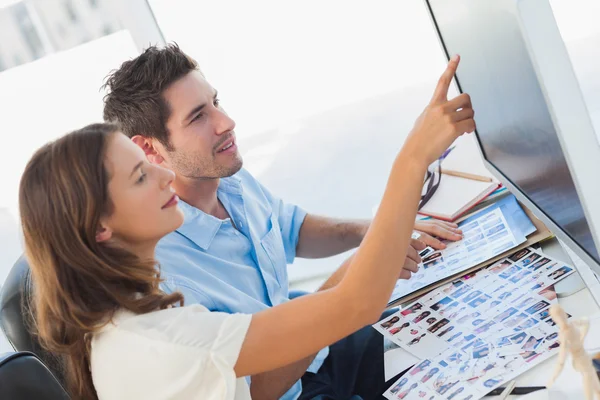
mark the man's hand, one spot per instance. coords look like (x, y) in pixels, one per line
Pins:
(427, 230)
(433, 229)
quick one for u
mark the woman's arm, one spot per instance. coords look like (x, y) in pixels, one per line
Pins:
(296, 329)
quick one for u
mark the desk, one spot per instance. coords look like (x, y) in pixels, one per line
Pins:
(568, 385)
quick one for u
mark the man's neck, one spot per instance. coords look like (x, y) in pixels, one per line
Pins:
(201, 194)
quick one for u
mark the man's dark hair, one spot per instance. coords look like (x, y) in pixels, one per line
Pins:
(135, 91)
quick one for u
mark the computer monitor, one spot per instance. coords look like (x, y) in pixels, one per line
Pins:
(533, 127)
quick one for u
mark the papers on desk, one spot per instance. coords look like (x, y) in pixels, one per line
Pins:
(480, 331)
(488, 233)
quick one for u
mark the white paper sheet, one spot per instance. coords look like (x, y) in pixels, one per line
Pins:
(397, 360)
(484, 238)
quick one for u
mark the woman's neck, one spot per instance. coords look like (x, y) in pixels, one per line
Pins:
(144, 251)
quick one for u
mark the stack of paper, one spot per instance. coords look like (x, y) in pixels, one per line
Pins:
(478, 332)
(455, 196)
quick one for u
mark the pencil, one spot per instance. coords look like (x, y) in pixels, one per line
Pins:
(466, 175)
(517, 390)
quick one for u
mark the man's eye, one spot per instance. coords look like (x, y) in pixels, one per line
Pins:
(141, 179)
(197, 117)
(217, 102)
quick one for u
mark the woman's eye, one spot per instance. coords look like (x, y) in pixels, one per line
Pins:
(141, 179)
(217, 102)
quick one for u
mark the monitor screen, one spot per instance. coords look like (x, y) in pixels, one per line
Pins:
(514, 125)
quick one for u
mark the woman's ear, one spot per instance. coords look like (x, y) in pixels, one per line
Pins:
(103, 233)
(147, 145)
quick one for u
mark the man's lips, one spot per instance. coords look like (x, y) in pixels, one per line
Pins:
(227, 145)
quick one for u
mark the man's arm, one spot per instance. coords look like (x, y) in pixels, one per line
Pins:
(324, 237)
(274, 384)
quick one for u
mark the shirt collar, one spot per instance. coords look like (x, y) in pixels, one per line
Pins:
(232, 185)
(199, 227)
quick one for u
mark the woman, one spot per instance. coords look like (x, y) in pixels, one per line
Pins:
(416, 340)
(429, 374)
(419, 368)
(398, 386)
(93, 210)
(398, 329)
(390, 323)
(421, 316)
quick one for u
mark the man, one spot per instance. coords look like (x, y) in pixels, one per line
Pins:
(232, 251)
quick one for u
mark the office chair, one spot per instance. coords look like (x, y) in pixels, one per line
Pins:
(24, 377)
(14, 320)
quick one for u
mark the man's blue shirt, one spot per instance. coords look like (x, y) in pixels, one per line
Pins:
(239, 267)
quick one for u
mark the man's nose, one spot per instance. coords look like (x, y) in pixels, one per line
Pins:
(224, 123)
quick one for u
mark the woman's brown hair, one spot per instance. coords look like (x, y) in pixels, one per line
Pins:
(78, 282)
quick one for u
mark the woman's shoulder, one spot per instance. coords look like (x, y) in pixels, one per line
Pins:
(192, 325)
(125, 317)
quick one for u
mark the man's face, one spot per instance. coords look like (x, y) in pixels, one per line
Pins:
(201, 134)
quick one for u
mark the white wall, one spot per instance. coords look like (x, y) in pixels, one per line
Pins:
(46, 98)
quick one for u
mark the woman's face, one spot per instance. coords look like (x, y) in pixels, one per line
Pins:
(144, 205)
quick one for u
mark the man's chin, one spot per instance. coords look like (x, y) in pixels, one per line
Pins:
(233, 169)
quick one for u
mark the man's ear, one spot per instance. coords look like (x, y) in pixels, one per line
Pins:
(150, 150)
(103, 234)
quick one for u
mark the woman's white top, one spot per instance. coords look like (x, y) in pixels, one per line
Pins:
(177, 353)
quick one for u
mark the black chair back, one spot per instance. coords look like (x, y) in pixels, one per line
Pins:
(14, 317)
(24, 377)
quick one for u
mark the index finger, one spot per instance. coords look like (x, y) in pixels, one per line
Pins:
(441, 91)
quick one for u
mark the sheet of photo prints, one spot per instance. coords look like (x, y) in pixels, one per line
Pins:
(484, 238)
(478, 332)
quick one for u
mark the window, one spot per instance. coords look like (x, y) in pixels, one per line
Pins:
(70, 10)
(61, 31)
(37, 28)
(107, 30)
(28, 32)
